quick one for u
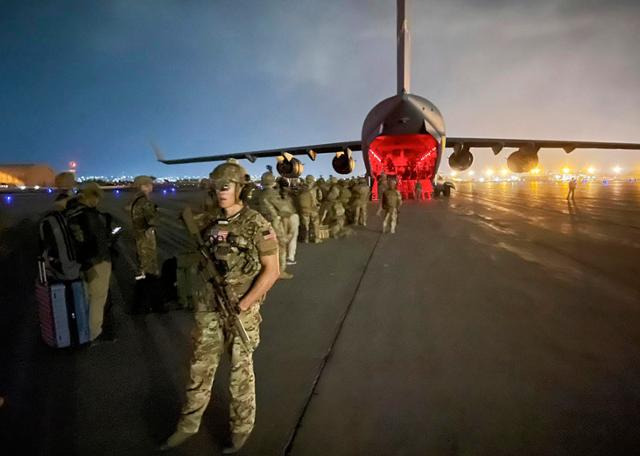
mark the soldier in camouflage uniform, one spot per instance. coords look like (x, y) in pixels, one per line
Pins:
(345, 199)
(382, 187)
(143, 218)
(391, 202)
(244, 247)
(271, 206)
(308, 208)
(362, 193)
(332, 213)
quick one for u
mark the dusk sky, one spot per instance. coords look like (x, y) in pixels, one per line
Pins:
(96, 81)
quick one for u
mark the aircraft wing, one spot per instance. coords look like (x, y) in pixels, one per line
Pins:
(310, 151)
(497, 144)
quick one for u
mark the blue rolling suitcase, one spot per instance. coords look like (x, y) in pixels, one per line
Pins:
(63, 309)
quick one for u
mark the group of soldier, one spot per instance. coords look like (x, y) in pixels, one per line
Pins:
(313, 210)
(250, 232)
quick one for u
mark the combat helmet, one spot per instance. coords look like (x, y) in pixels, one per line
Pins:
(310, 180)
(65, 180)
(139, 181)
(267, 180)
(229, 171)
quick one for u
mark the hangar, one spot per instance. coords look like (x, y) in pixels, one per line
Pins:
(27, 174)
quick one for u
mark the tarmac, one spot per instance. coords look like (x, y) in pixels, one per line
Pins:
(501, 321)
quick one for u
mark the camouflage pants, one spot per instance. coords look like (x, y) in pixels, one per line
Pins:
(281, 234)
(390, 220)
(361, 215)
(146, 250)
(311, 224)
(211, 338)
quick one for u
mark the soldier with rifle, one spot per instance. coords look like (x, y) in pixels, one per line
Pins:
(240, 263)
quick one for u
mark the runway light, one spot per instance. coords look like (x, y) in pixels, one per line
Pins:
(481, 179)
(164, 192)
(49, 190)
(173, 189)
(591, 170)
(535, 171)
(37, 187)
(471, 173)
(504, 171)
(116, 191)
(566, 170)
(489, 172)
(454, 173)
(8, 199)
(617, 169)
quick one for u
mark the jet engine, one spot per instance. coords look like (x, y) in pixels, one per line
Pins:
(288, 166)
(460, 160)
(522, 160)
(343, 163)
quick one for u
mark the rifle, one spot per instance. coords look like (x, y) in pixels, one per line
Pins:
(226, 298)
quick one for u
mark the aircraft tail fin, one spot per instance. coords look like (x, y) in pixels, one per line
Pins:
(404, 49)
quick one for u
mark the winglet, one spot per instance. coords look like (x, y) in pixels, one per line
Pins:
(159, 154)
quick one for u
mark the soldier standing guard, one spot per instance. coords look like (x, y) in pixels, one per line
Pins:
(244, 248)
(391, 202)
(143, 218)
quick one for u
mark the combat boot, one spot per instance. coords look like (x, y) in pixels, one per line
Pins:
(237, 442)
(286, 275)
(176, 439)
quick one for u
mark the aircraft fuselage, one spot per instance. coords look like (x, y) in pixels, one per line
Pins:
(404, 136)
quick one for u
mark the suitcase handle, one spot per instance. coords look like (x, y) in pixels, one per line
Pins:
(42, 271)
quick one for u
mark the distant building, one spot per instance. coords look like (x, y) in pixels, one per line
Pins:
(29, 175)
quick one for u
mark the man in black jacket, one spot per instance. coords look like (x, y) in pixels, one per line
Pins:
(93, 239)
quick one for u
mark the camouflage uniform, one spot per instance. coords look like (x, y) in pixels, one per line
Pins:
(143, 217)
(248, 237)
(391, 202)
(308, 207)
(271, 206)
(361, 202)
(333, 213)
(345, 199)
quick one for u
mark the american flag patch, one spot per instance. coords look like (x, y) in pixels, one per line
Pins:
(268, 235)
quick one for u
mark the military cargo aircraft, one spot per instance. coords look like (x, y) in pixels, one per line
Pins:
(404, 136)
